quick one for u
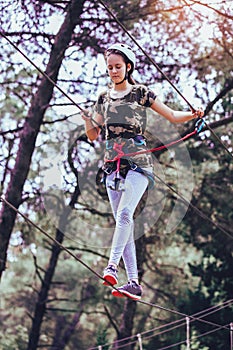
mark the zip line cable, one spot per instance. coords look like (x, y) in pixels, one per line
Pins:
(163, 348)
(200, 314)
(160, 70)
(227, 327)
(191, 340)
(50, 237)
(62, 247)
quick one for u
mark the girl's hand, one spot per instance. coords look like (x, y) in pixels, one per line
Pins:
(199, 113)
(86, 115)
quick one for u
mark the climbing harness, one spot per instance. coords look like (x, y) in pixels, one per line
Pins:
(122, 165)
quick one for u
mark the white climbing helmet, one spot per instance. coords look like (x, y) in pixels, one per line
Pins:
(125, 49)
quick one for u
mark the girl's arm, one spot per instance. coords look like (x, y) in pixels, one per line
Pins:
(175, 116)
(92, 127)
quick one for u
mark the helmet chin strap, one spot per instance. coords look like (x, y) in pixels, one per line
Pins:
(122, 81)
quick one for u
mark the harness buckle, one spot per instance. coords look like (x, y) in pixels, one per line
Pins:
(108, 145)
(133, 166)
(139, 140)
(108, 170)
(117, 184)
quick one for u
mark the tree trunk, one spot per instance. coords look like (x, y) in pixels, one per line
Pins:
(62, 338)
(41, 303)
(46, 284)
(126, 327)
(32, 125)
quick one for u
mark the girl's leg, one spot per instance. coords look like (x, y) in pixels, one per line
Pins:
(130, 259)
(124, 204)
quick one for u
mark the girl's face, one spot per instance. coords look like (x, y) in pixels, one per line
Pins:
(116, 67)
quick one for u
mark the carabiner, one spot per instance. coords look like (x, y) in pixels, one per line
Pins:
(199, 125)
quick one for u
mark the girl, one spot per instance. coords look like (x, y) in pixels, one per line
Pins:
(122, 112)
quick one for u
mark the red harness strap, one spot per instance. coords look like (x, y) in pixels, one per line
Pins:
(118, 148)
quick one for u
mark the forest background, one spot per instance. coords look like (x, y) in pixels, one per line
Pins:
(48, 172)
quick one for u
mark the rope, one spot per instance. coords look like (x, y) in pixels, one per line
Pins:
(40, 70)
(194, 337)
(50, 237)
(179, 313)
(218, 139)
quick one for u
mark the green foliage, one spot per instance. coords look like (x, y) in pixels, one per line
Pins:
(102, 337)
(17, 340)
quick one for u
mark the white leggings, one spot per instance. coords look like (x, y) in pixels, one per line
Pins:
(123, 205)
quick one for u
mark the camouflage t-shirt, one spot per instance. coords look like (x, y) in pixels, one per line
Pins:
(125, 122)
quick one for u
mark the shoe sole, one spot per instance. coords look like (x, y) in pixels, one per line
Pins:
(109, 280)
(119, 294)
